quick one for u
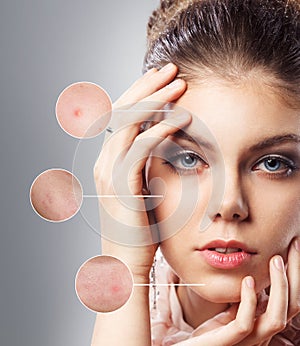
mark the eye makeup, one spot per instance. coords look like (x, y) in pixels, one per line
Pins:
(275, 166)
(186, 162)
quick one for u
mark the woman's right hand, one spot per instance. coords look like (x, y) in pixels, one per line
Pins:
(120, 166)
(240, 326)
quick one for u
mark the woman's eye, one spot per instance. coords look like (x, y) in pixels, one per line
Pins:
(186, 162)
(275, 165)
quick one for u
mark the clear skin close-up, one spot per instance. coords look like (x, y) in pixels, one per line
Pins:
(252, 240)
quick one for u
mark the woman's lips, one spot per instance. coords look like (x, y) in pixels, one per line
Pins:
(226, 254)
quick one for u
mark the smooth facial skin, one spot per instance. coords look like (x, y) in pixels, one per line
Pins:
(56, 195)
(104, 284)
(261, 202)
(83, 109)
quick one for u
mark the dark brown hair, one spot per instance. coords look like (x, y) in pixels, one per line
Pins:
(229, 39)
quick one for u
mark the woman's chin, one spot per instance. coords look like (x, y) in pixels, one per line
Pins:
(226, 290)
(219, 296)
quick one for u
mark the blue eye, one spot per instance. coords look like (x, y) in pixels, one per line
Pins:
(275, 165)
(188, 161)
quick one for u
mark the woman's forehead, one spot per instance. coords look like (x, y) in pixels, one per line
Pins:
(221, 107)
(224, 118)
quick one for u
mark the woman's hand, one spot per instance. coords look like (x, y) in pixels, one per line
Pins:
(239, 326)
(119, 169)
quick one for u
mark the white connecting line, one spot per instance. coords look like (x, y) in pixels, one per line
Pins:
(166, 285)
(124, 196)
(143, 110)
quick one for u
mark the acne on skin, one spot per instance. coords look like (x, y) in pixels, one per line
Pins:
(104, 284)
(78, 112)
(56, 195)
(80, 108)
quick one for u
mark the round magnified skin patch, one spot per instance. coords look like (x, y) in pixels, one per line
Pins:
(103, 284)
(56, 195)
(83, 109)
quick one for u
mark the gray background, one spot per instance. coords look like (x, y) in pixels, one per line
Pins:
(45, 46)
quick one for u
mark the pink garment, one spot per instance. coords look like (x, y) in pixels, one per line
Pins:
(168, 326)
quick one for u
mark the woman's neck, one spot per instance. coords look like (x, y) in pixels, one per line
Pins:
(195, 309)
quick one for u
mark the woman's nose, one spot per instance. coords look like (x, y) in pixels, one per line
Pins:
(234, 205)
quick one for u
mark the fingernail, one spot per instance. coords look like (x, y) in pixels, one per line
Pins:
(250, 281)
(175, 84)
(297, 244)
(168, 67)
(278, 262)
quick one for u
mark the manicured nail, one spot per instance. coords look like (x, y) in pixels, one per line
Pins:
(168, 67)
(278, 262)
(250, 281)
(297, 244)
(175, 84)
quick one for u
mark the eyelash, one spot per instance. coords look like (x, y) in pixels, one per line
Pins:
(181, 155)
(289, 165)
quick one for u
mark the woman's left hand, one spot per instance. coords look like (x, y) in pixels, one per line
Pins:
(238, 325)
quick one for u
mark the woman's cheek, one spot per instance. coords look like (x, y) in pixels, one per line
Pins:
(278, 217)
(183, 205)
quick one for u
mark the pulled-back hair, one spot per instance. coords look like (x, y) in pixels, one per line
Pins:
(230, 40)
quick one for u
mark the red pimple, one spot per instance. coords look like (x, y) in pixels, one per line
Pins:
(115, 288)
(77, 112)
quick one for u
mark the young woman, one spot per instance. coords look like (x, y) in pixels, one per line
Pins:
(212, 133)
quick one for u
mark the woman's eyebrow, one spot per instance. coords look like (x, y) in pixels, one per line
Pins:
(278, 139)
(195, 140)
(263, 144)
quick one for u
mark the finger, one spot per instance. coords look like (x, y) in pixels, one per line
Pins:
(274, 319)
(117, 143)
(113, 154)
(243, 324)
(148, 109)
(143, 145)
(149, 83)
(246, 313)
(122, 138)
(293, 274)
(236, 330)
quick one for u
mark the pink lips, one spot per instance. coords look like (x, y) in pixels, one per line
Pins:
(226, 254)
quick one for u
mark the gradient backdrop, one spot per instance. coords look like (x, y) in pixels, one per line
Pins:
(45, 46)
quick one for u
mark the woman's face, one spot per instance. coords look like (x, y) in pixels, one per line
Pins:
(256, 149)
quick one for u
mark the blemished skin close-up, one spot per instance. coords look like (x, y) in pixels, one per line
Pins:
(215, 117)
(83, 109)
(56, 195)
(103, 284)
